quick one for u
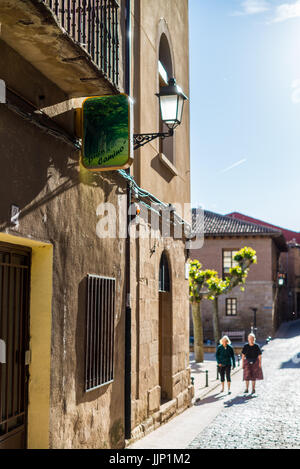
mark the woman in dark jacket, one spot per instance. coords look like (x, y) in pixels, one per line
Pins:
(251, 361)
(225, 357)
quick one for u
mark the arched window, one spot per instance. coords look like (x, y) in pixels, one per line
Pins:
(165, 71)
(164, 274)
(165, 57)
(165, 314)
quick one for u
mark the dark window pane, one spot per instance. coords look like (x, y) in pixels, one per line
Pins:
(164, 274)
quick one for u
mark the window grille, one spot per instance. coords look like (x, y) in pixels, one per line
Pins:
(100, 316)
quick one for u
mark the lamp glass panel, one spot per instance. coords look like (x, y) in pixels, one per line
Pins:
(168, 106)
(180, 109)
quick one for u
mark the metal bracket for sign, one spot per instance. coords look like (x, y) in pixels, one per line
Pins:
(139, 140)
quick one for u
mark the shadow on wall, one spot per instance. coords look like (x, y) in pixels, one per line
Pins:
(159, 167)
(36, 168)
(29, 160)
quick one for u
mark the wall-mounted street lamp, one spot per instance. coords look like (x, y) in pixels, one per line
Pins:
(171, 103)
(281, 279)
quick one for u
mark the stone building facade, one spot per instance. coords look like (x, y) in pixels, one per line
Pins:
(289, 267)
(52, 260)
(223, 237)
(160, 324)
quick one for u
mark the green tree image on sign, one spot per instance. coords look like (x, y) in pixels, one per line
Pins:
(106, 141)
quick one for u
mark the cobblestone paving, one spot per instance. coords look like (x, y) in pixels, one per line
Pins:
(271, 418)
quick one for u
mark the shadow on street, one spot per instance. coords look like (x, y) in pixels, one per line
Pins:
(208, 400)
(288, 330)
(294, 362)
(238, 400)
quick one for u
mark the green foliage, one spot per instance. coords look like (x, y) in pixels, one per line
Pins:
(198, 281)
(246, 254)
(207, 284)
(216, 287)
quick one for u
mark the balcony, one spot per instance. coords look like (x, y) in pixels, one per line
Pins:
(75, 43)
(94, 25)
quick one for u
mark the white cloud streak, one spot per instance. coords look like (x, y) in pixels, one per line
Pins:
(238, 163)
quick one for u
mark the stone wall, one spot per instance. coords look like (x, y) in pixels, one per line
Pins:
(156, 399)
(160, 323)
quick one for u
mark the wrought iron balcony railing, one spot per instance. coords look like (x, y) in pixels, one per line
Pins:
(94, 24)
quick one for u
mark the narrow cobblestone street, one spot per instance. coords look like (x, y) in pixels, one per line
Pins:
(269, 419)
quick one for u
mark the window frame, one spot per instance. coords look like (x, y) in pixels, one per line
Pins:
(232, 262)
(164, 274)
(229, 309)
(166, 62)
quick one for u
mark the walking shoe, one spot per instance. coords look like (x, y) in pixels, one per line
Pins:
(229, 392)
(246, 391)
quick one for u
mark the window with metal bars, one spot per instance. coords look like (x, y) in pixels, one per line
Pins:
(100, 314)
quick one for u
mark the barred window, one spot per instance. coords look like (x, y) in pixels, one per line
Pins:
(100, 314)
(231, 306)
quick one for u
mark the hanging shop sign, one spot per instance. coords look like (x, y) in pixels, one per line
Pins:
(105, 125)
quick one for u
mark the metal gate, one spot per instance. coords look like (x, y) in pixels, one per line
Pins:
(14, 336)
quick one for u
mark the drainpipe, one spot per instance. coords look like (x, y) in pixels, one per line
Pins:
(127, 403)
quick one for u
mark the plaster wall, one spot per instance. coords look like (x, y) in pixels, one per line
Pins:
(150, 20)
(58, 203)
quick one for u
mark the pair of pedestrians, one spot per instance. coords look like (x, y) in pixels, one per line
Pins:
(251, 362)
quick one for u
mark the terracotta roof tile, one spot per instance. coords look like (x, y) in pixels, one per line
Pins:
(222, 224)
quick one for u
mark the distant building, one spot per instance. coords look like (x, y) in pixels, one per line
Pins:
(289, 267)
(224, 236)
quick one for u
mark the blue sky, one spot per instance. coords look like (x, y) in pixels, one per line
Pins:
(245, 108)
